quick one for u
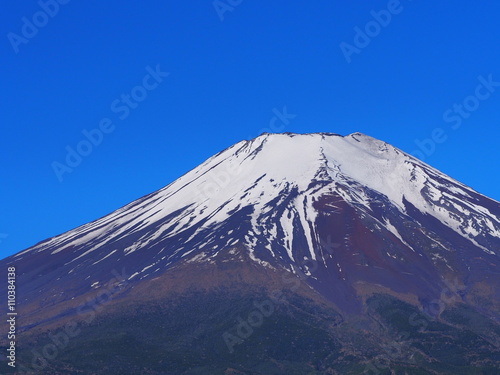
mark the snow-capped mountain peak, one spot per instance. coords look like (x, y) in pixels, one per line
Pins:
(343, 211)
(254, 173)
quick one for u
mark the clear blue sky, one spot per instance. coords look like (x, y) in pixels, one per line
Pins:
(227, 77)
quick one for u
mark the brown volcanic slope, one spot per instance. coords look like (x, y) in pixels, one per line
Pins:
(337, 232)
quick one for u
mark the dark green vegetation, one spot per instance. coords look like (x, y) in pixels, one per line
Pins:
(185, 335)
(440, 346)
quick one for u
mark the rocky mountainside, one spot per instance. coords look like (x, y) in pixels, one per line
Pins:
(339, 246)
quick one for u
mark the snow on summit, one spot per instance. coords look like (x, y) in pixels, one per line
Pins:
(293, 171)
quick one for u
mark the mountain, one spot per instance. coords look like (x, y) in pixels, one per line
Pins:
(308, 254)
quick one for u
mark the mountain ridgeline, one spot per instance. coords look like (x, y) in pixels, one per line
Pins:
(285, 254)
